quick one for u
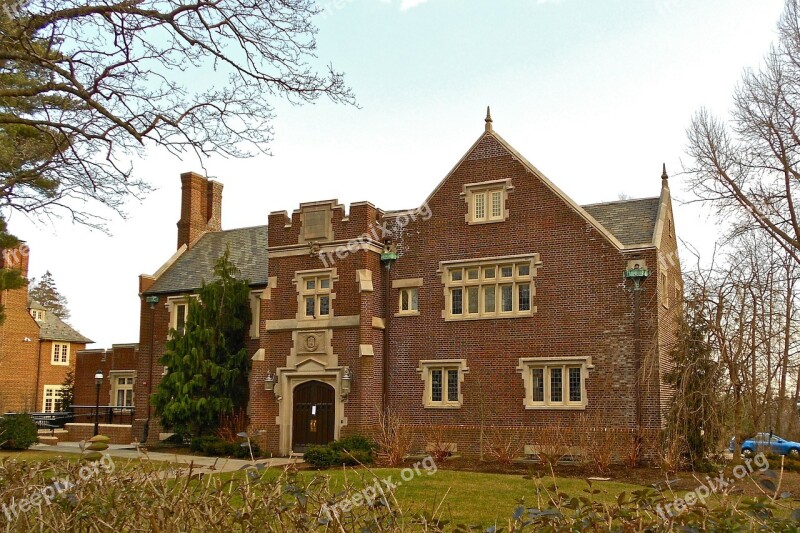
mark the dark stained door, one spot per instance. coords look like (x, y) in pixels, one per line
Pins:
(314, 411)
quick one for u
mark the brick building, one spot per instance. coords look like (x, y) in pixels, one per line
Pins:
(37, 349)
(499, 303)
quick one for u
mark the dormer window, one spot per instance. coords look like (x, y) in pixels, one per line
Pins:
(486, 202)
(38, 315)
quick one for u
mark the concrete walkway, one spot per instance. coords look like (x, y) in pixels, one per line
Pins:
(199, 463)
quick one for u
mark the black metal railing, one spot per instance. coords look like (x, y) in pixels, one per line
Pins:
(106, 414)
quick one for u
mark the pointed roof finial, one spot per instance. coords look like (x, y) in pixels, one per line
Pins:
(664, 175)
(488, 118)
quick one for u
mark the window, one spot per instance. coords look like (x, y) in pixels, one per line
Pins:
(316, 296)
(179, 314)
(37, 314)
(555, 383)
(255, 314)
(409, 301)
(664, 290)
(494, 199)
(123, 390)
(490, 289)
(60, 353)
(442, 382)
(486, 202)
(52, 398)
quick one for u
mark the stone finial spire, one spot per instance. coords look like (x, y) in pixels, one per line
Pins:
(664, 175)
(488, 118)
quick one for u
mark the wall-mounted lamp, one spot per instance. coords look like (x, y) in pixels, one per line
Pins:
(269, 381)
(347, 380)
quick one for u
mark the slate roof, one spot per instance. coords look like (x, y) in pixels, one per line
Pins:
(631, 221)
(53, 328)
(248, 248)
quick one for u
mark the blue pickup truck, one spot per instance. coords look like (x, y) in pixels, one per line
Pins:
(769, 443)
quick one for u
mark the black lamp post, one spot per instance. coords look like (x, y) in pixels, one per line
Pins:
(98, 380)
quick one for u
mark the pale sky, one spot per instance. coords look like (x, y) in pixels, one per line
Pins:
(595, 93)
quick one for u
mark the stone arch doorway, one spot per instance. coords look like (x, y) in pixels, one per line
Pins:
(313, 415)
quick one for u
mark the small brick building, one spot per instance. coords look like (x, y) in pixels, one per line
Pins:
(498, 304)
(37, 349)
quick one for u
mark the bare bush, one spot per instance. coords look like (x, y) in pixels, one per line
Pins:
(549, 443)
(393, 437)
(504, 444)
(436, 444)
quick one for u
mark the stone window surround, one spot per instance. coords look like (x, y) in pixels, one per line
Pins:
(172, 304)
(504, 185)
(299, 282)
(445, 267)
(62, 346)
(664, 289)
(424, 370)
(114, 375)
(526, 366)
(255, 313)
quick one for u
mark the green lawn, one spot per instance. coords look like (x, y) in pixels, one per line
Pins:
(466, 497)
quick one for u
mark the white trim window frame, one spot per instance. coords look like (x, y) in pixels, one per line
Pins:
(486, 201)
(408, 301)
(501, 287)
(124, 383)
(178, 307)
(51, 396)
(59, 355)
(555, 382)
(442, 383)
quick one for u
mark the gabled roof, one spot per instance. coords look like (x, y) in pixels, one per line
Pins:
(620, 231)
(248, 248)
(53, 328)
(633, 222)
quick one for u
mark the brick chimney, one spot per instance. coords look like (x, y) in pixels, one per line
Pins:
(201, 207)
(16, 258)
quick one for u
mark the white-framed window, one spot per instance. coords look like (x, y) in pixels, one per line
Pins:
(38, 315)
(122, 390)
(179, 313)
(255, 314)
(60, 353)
(496, 288)
(442, 382)
(555, 383)
(51, 402)
(315, 295)
(486, 201)
(409, 301)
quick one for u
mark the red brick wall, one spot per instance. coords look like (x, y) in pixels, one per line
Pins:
(50, 374)
(122, 357)
(18, 357)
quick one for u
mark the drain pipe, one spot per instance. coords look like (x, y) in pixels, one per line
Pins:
(388, 257)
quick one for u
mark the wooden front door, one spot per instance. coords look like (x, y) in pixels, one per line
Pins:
(314, 415)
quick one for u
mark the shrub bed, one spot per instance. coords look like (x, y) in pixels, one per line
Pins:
(218, 447)
(350, 451)
(18, 432)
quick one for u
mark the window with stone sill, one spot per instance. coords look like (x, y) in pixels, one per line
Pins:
(555, 383)
(178, 314)
(409, 301)
(442, 383)
(490, 289)
(486, 201)
(60, 355)
(316, 296)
